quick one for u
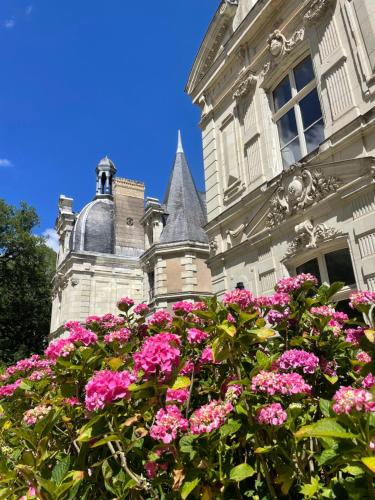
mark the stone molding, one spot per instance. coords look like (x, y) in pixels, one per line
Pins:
(310, 236)
(302, 190)
(316, 10)
(245, 85)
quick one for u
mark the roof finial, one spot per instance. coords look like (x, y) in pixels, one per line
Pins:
(180, 149)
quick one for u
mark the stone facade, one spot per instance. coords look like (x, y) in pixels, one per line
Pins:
(287, 92)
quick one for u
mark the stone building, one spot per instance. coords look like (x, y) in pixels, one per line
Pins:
(102, 248)
(176, 245)
(287, 92)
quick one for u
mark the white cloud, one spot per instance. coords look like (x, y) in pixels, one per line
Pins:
(9, 24)
(4, 162)
(52, 239)
(29, 9)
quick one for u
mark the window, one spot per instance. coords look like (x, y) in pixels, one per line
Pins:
(298, 114)
(331, 267)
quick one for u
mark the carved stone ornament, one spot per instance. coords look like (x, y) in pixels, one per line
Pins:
(245, 86)
(278, 44)
(304, 189)
(233, 235)
(213, 246)
(310, 236)
(316, 10)
(74, 281)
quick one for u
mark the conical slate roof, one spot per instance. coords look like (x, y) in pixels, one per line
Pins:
(184, 206)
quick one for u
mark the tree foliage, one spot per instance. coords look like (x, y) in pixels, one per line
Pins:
(26, 270)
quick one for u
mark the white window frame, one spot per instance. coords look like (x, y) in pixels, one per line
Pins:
(297, 96)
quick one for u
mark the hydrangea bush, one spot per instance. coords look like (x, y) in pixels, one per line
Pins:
(254, 397)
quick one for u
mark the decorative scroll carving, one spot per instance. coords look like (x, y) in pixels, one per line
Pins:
(303, 190)
(232, 235)
(245, 86)
(310, 236)
(279, 46)
(316, 10)
(213, 246)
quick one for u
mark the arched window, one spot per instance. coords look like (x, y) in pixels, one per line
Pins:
(102, 183)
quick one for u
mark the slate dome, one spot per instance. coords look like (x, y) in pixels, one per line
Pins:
(94, 228)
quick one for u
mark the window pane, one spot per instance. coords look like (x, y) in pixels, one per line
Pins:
(339, 267)
(291, 153)
(303, 73)
(314, 136)
(310, 109)
(287, 126)
(282, 93)
(311, 267)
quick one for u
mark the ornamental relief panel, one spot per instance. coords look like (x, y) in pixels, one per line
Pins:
(299, 192)
(310, 236)
(316, 10)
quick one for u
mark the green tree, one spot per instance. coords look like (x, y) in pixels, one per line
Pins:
(26, 270)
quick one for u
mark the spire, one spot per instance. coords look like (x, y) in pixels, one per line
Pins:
(183, 204)
(105, 171)
(180, 149)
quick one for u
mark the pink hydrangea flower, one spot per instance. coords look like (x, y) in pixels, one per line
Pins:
(363, 357)
(199, 306)
(40, 374)
(210, 416)
(159, 355)
(59, 348)
(179, 395)
(196, 336)
(90, 320)
(207, 357)
(125, 303)
(120, 336)
(188, 368)
(324, 311)
(161, 319)
(368, 381)
(72, 325)
(141, 309)
(276, 317)
(328, 367)
(10, 389)
(371, 444)
(167, 424)
(151, 468)
(298, 358)
(182, 307)
(243, 298)
(231, 319)
(287, 285)
(73, 401)
(272, 414)
(360, 298)
(280, 299)
(233, 392)
(33, 416)
(280, 383)
(107, 386)
(340, 317)
(354, 335)
(348, 399)
(26, 365)
(83, 336)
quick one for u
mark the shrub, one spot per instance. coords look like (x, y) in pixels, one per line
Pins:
(255, 397)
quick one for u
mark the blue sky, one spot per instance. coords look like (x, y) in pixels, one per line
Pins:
(82, 79)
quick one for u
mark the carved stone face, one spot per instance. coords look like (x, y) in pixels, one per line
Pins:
(276, 47)
(295, 188)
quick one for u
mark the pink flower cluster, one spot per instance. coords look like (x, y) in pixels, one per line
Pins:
(363, 357)
(161, 319)
(325, 311)
(26, 365)
(125, 303)
(207, 357)
(280, 383)
(272, 414)
(292, 283)
(298, 358)
(196, 336)
(368, 381)
(10, 389)
(33, 416)
(243, 298)
(281, 299)
(40, 374)
(107, 386)
(120, 336)
(141, 309)
(63, 347)
(159, 355)
(210, 417)
(179, 395)
(348, 399)
(106, 322)
(182, 307)
(354, 335)
(276, 317)
(358, 298)
(168, 423)
(233, 392)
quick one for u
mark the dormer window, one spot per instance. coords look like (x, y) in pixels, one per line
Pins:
(298, 114)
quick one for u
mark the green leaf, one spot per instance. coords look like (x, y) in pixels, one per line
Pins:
(327, 427)
(263, 334)
(308, 490)
(230, 428)
(60, 470)
(181, 383)
(263, 360)
(188, 487)
(331, 380)
(353, 470)
(370, 463)
(107, 439)
(227, 328)
(85, 433)
(241, 472)
(115, 363)
(325, 407)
